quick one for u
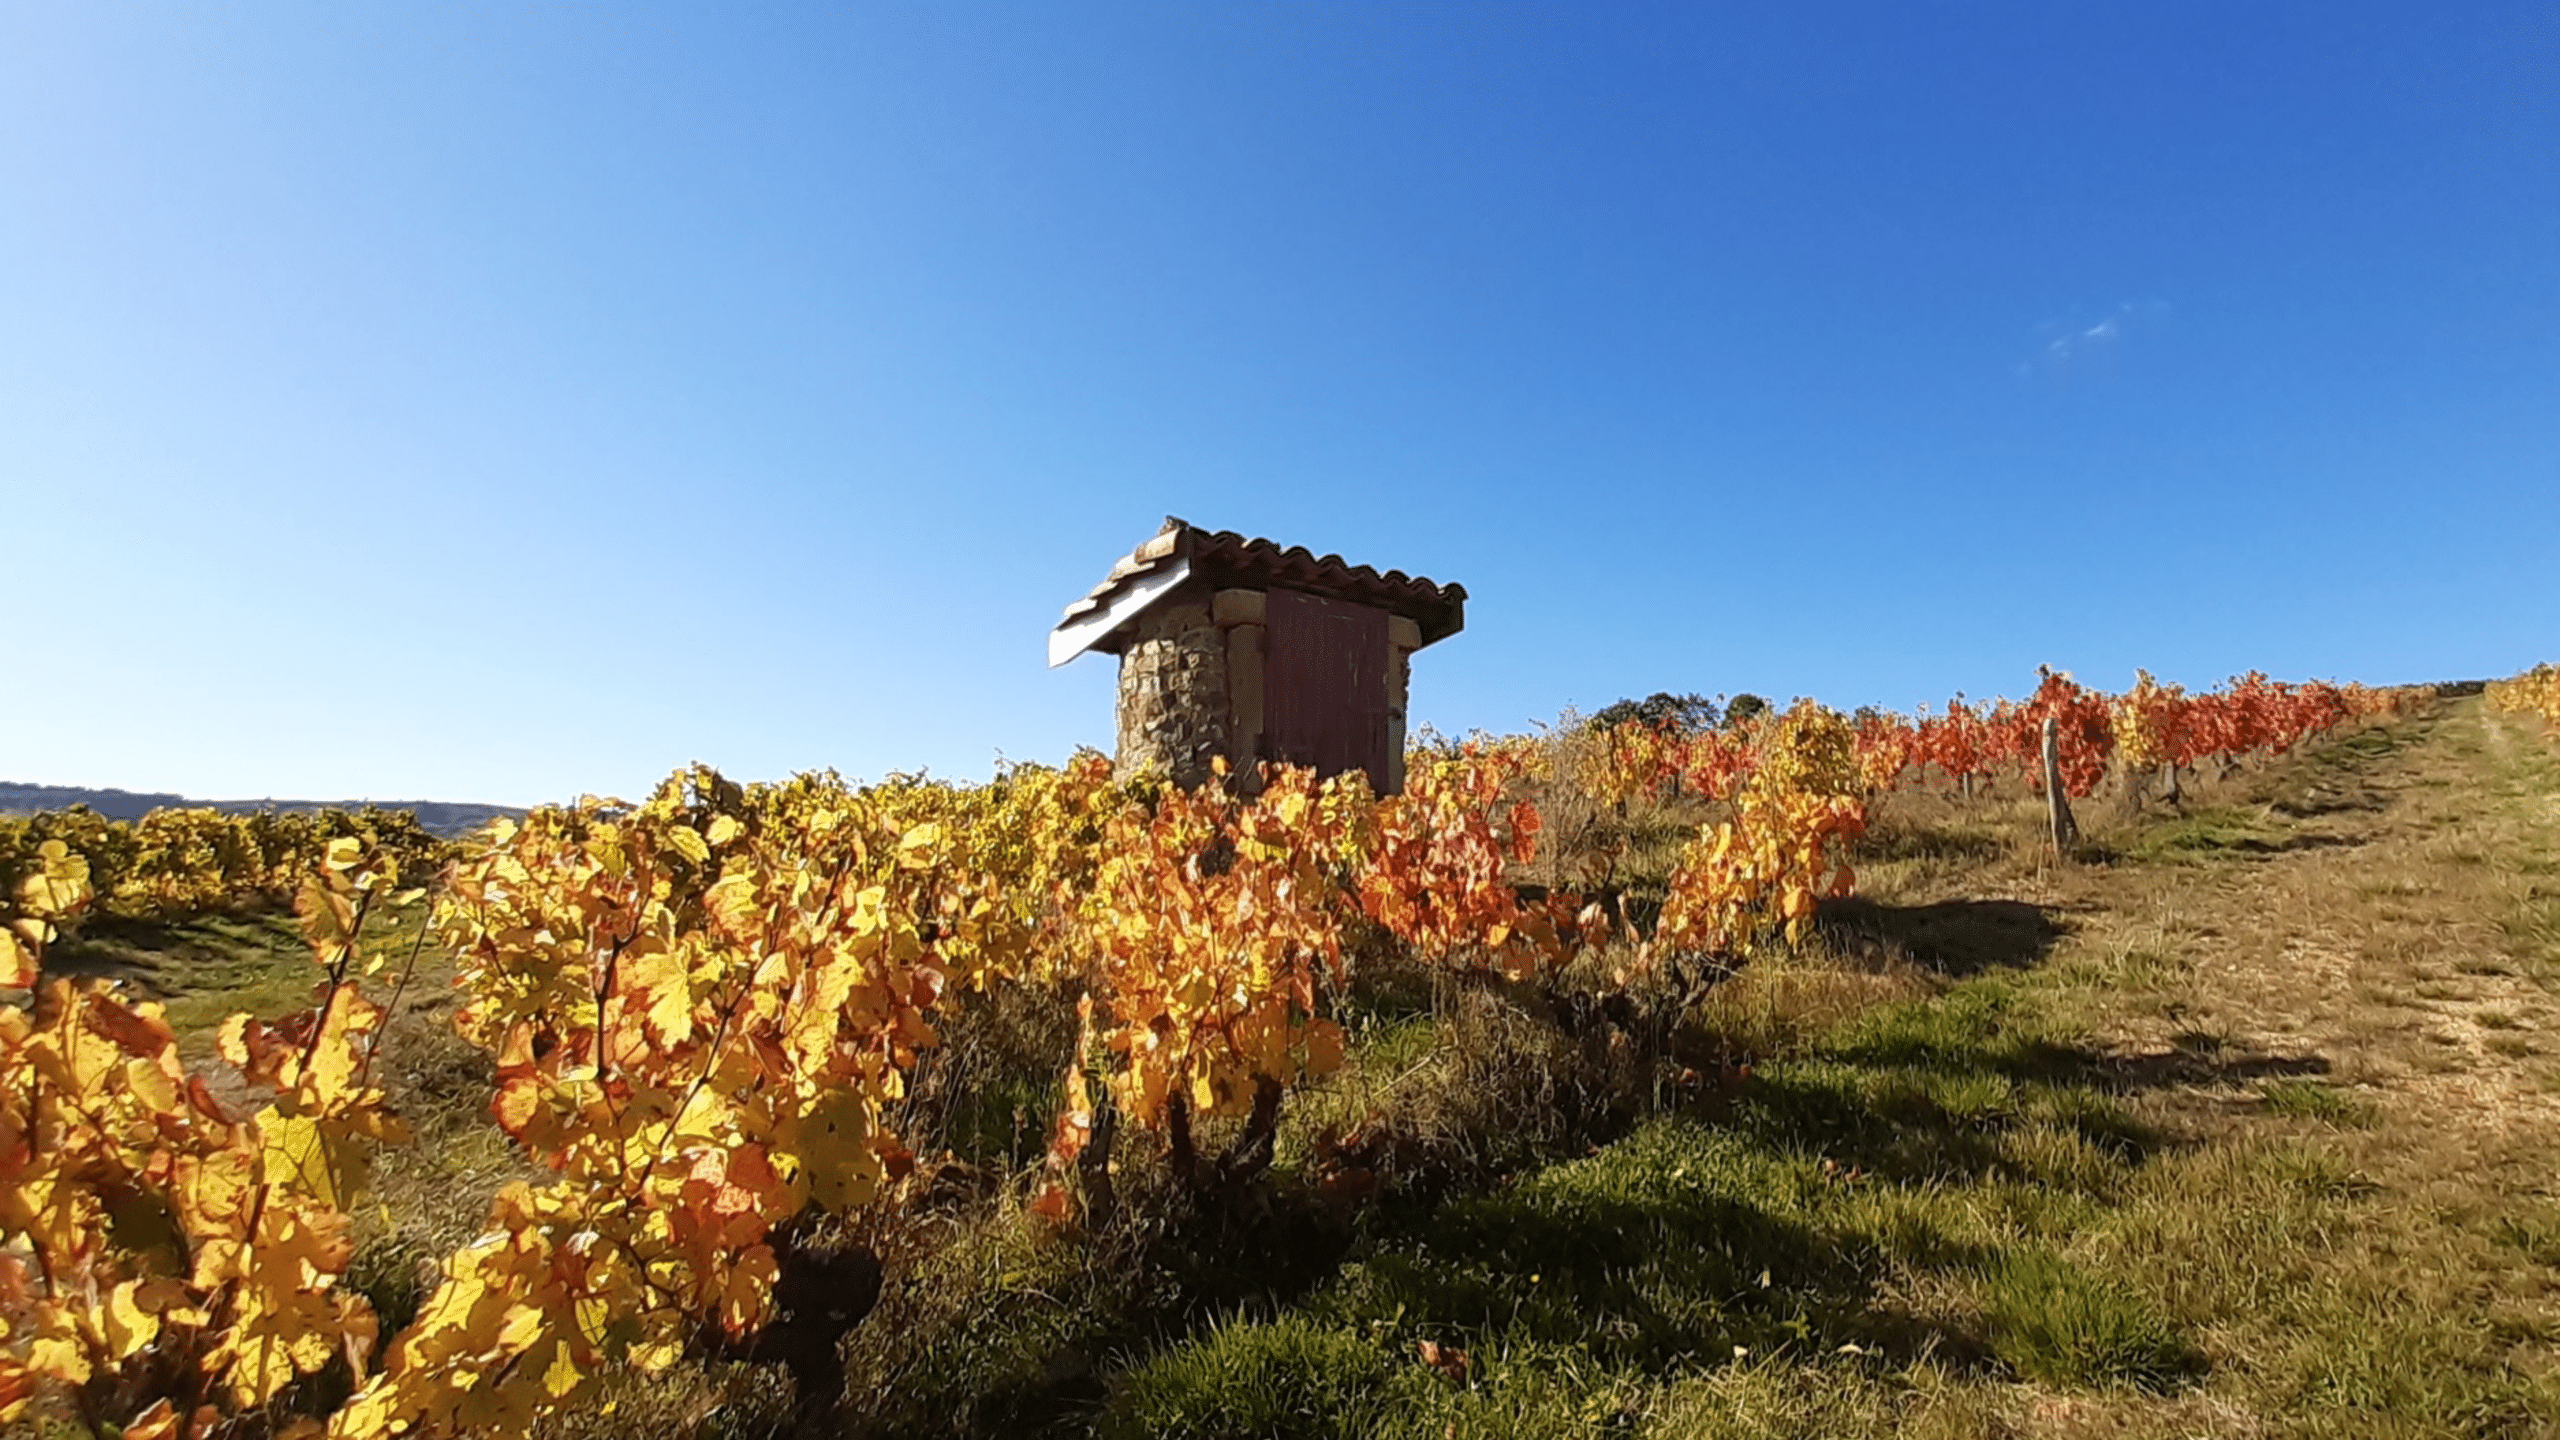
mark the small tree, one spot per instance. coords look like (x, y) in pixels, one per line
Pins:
(1661, 710)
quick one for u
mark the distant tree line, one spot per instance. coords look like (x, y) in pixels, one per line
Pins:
(1687, 714)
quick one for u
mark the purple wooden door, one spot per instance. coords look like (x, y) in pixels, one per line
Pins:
(1324, 678)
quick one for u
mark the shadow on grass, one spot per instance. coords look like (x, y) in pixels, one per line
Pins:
(1953, 937)
(2253, 845)
(2195, 1059)
(1663, 1253)
(165, 959)
(1970, 1030)
(1938, 1125)
(2311, 806)
(1931, 1091)
(1889, 842)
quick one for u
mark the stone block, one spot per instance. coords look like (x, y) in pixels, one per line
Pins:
(1241, 607)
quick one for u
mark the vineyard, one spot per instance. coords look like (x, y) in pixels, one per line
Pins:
(2535, 693)
(779, 1066)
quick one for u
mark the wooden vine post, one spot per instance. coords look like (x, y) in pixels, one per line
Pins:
(2066, 832)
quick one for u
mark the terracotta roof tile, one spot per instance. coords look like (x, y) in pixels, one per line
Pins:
(1224, 558)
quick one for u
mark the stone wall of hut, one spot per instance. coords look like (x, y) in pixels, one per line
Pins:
(1173, 694)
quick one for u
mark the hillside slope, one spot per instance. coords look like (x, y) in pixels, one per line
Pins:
(447, 818)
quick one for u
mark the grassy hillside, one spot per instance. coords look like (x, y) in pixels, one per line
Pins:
(2243, 1128)
(2246, 1131)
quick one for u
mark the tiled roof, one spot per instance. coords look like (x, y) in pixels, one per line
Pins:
(1224, 559)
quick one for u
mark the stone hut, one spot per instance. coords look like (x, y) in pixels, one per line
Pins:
(1237, 647)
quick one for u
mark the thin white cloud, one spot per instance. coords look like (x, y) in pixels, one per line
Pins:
(2077, 341)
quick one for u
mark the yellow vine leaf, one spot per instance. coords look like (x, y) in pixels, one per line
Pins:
(59, 885)
(151, 1083)
(836, 1145)
(328, 913)
(127, 1326)
(561, 1377)
(230, 1042)
(59, 1355)
(732, 902)
(659, 980)
(298, 1150)
(688, 842)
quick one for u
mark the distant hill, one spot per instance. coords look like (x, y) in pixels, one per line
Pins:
(444, 817)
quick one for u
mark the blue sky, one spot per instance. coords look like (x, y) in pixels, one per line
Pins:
(503, 402)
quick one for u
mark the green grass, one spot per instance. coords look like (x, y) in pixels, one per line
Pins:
(2535, 1235)
(207, 967)
(2204, 835)
(2055, 1322)
(2311, 1100)
(1286, 1377)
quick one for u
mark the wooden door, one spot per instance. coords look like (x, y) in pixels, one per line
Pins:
(1325, 684)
